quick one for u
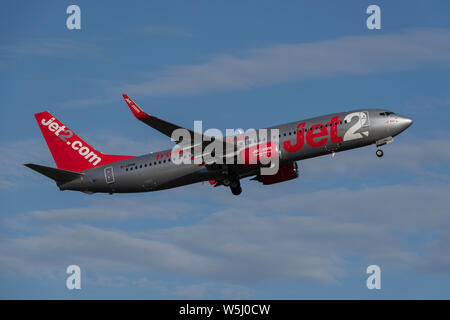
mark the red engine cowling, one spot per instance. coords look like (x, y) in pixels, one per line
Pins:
(286, 172)
(260, 153)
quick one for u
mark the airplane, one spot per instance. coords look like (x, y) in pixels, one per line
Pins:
(80, 167)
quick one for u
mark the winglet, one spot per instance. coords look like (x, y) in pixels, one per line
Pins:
(137, 112)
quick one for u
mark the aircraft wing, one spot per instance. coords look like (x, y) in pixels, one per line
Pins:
(167, 128)
(162, 126)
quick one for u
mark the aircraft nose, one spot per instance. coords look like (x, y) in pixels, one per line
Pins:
(404, 122)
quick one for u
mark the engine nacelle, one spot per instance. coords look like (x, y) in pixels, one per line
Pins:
(286, 172)
(262, 153)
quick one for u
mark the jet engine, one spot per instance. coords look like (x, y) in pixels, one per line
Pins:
(286, 172)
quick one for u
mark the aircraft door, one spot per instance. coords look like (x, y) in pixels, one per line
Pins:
(109, 175)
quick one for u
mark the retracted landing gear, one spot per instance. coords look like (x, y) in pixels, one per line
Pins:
(379, 153)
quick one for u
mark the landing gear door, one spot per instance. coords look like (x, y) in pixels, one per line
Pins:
(109, 175)
(364, 118)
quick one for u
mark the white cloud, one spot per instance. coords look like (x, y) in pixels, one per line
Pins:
(403, 207)
(103, 210)
(288, 62)
(97, 249)
(195, 290)
(294, 236)
(271, 233)
(419, 156)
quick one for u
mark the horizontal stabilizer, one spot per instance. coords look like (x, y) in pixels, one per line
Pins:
(58, 175)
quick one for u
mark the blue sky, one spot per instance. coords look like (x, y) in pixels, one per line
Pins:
(234, 65)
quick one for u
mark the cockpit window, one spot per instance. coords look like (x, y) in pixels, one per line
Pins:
(386, 113)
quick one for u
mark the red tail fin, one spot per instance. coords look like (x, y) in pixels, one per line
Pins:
(69, 151)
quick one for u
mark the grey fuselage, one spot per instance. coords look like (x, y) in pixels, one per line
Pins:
(156, 171)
